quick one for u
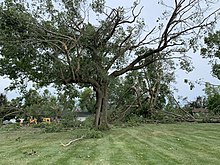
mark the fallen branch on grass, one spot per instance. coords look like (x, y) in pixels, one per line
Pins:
(32, 152)
(65, 145)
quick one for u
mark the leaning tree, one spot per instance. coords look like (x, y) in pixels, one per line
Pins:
(90, 44)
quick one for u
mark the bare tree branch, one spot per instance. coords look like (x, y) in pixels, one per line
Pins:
(70, 142)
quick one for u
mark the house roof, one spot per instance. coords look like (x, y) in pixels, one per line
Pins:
(83, 114)
(197, 110)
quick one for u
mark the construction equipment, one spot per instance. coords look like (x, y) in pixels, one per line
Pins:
(32, 120)
(47, 120)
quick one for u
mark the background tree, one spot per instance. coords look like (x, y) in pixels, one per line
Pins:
(49, 43)
(3, 104)
(87, 100)
(37, 105)
(213, 97)
(158, 78)
(214, 104)
(200, 102)
(144, 92)
(3, 100)
(212, 51)
(48, 105)
(9, 109)
(66, 99)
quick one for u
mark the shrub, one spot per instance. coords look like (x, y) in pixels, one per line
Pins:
(53, 127)
(88, 133)
(94, 134)
(73, 123)
(213, 103)
(134, 120)
(49, 128)
(88, 123)
(40, 125)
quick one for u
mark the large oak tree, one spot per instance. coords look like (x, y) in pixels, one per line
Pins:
(56, 41)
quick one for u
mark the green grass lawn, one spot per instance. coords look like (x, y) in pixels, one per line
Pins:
(161, 144)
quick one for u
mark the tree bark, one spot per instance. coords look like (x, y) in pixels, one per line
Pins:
(101, 107)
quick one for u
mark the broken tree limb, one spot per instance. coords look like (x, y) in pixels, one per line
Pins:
(65, 145)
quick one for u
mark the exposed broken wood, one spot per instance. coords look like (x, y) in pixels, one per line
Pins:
(74, 140)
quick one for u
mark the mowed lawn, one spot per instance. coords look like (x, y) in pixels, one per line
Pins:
(185, 143)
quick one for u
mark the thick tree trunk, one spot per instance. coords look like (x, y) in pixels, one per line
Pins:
(101, 107)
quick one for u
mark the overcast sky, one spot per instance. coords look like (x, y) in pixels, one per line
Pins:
(151, 11)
